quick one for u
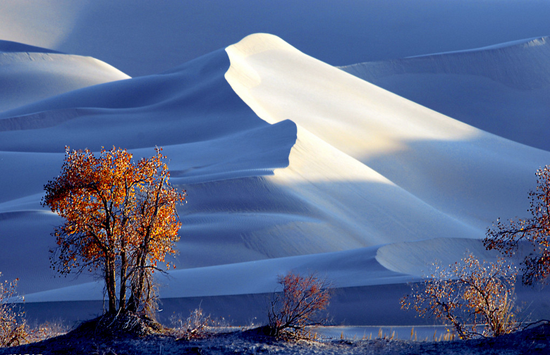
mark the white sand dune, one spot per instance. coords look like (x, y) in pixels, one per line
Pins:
(30, 74)
(502, 89)
(289, 164)
(445, 163)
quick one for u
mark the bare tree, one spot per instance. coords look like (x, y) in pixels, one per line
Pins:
(476, 298)
(506, 236)
(298, 306)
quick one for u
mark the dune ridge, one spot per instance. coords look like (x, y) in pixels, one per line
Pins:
(502, 89)
(29, 74)
(518, 64)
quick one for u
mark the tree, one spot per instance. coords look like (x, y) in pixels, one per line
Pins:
(298, 306)
(477, 298)
(120, 218)
(534, 231)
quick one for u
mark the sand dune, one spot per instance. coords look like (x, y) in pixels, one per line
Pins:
(447, 164)
(289, 164)
(502, 89)
(29, 74)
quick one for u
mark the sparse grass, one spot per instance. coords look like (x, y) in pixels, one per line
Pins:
(123, 325)
(14, 329)
(384, 336)
(47, 330)
(388, 333)
(195, 326)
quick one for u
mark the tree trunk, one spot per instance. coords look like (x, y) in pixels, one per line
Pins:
(110, 282)
(123, 279)
(137, 285)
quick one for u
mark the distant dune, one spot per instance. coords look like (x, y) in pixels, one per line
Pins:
(503, 89)
(148, 37)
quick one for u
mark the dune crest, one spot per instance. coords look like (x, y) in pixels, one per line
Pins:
(29, 74)
(502, 89)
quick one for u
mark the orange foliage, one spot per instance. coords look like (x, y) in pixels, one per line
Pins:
(298, 306)
(120, 215)
(477, 298)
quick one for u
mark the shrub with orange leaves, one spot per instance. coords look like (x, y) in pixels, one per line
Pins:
(298, 306)
(120, 218)
(506, 236)
(477, 298)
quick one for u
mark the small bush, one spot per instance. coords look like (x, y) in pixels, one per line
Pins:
(298, 306)
(13, 328)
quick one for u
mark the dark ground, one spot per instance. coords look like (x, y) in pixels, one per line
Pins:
(89, 340)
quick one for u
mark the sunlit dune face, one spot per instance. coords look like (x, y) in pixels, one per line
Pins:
(278, 82)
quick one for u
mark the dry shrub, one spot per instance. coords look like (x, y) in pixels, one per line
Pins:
(533, 232)
(13, 328)
(48, 330)
(477, 298)
(298, 306)
(193, 327)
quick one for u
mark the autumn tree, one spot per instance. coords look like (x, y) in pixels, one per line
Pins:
(476, 298)
(120, 220)
(506, 236)
(299, 304)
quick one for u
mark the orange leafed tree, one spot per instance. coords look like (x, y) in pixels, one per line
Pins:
(476, 297)
(120, 219)
(298, 306)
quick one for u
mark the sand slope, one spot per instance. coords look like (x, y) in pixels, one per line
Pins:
(29, 74)
(453, 167)
(502, 89)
